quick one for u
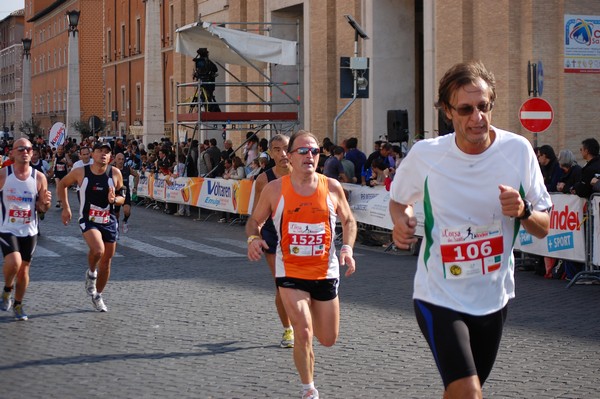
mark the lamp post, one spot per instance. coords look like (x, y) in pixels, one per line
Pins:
(26, 114)
(73, 97)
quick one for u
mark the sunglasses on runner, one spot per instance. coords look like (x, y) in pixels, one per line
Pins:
(466, 110)
(306, 150)
(22, 148)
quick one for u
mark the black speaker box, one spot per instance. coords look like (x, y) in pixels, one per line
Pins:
(397, 126)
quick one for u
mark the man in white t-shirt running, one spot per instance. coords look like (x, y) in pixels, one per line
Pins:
(477, 185)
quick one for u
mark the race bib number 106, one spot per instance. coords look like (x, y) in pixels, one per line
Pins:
(470, 251)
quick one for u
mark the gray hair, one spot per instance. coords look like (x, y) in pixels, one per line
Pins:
(566, 158)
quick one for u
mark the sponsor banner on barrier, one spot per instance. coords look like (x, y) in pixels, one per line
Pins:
(183, 190)
(595, 204)
(142, 187)
(225, 195)
(158, 188)
(370, 205)
(566, 238)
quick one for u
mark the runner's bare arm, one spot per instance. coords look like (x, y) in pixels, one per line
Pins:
(405, 224)
(116, 195)
(44, 199)
(74, 176)
(348, 225)
(262, 210)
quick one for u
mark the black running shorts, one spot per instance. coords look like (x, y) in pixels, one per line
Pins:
(320, 290)
(24, 245)
(462, 345)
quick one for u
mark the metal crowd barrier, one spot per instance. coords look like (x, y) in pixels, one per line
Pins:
(591, 271)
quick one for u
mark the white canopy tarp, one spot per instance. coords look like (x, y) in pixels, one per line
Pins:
(257, 48)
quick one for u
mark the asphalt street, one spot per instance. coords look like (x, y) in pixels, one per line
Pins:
(190, 317)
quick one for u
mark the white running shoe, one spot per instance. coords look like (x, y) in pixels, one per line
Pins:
(90, 283)
(99, 303)
(311, 394)
(125, 227)
(7, 301)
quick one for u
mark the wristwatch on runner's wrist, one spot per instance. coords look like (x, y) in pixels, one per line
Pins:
(527, 211)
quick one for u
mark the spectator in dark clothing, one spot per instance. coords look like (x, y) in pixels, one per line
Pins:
(384, 151)
(571, 171)
(191, 161)
(589, 151)
(550, 168)
(333, 166)
(215, 157)
(357, 157)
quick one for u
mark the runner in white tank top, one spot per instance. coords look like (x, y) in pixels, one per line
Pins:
(23, 193)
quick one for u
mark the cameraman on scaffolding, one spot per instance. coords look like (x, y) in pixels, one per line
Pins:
(206, 71)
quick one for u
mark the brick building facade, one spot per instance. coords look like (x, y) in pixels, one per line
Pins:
(411, 43)
(47, 26)
(11, 52)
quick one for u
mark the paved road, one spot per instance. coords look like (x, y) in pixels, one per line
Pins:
(190, 317)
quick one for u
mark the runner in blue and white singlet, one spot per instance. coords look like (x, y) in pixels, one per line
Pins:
(100, 190)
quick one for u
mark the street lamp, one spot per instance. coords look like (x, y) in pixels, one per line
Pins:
(26, 114)
(73, 97)
(73, 20)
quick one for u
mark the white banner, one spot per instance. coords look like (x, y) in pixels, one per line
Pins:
(566, 239)
(218, 194)
(371, 205)
(158, 189)
(57, 135)
(595, 208)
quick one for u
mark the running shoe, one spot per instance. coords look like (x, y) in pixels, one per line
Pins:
(125, 227)
(311, 394)
(90, 284)
(99, 303)
(7, 301)
(20, 313)
(287, 340)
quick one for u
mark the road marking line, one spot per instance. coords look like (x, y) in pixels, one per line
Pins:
(149, 249)
(196, 246)
(41, 252)
(74, 243)
(233, 243)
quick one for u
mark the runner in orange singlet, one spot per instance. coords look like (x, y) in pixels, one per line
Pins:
(304, 206)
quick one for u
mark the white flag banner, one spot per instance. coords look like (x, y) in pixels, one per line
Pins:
(57, 135)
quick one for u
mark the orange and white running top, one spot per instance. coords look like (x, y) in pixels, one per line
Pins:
(305, 228)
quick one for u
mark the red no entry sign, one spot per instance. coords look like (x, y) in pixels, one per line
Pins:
(536, 115)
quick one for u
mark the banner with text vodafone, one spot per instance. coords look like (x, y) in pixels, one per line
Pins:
(566, 239)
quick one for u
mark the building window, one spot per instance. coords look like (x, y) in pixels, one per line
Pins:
(122, 41)
(171, 25)
(172, 93)
(109, 45)
(138, 98)
(60, 100)
(123, 100)
(109, 104)
(54, 109)
(64, 99)
(48, 102)
(138, 36)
